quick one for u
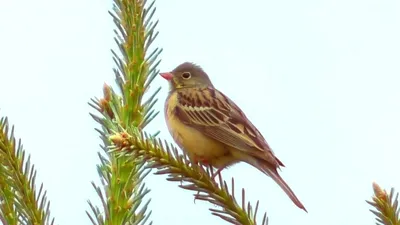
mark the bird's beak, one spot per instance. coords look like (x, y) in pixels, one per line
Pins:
(167, 76)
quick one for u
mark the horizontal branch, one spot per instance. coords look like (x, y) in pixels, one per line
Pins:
(166, 159)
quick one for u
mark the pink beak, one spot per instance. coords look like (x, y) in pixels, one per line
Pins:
(167, 76)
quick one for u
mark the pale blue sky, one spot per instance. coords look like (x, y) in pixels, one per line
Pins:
(320, 79)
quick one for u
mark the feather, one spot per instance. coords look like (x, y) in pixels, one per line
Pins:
(272, 172)
(215, 115)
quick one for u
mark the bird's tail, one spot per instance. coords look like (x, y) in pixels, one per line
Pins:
(272, 171)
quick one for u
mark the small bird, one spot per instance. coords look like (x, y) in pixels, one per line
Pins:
(212, 129)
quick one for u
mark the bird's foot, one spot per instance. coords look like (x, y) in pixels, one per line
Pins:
(200, 161)
(203, 171)
(206, 162)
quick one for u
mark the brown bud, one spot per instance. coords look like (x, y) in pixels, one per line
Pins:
(107, 92)
(104, 106)
(379, 192)
(120, 139)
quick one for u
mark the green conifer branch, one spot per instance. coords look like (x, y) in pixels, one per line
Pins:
(20, 203)
(8, 214)
(386, 206)
(165, 158)
(122, 177)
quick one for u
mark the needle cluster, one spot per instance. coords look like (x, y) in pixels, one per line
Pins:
(20, 201)
(386, 206)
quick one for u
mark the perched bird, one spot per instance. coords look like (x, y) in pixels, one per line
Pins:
(212, 129)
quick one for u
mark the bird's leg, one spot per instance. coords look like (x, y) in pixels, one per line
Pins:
(201, 176)
(199, 160)
(210, 170)
(205, 161)
(220, 167)
(196, 160)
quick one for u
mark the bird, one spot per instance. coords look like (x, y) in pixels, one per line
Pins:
(212, 129)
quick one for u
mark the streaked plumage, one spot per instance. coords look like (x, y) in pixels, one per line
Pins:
(212, 129)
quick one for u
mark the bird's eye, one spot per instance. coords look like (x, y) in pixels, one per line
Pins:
(186, 75)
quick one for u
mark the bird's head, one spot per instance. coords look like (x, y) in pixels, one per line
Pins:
(187, 75)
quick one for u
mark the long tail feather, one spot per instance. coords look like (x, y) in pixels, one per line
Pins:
(273, 173)
(270, 170)
(269, 167)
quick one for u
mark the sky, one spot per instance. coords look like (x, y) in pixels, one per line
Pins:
(319, 79)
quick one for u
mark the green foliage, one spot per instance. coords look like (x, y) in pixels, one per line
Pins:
(122, 177)
(167, 160)
(386, 206)
(20, 203)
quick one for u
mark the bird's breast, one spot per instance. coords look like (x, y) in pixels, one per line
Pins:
(191, 140)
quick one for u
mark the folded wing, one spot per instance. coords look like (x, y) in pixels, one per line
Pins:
(215, 115)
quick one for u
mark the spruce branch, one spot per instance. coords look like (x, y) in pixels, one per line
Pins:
(8, 214)
(123, 190)
(166, 159)
(20, 202)
(386, 206)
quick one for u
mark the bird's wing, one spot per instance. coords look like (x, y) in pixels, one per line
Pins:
(215, 115)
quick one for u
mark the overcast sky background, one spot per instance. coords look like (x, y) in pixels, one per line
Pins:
(320, 79)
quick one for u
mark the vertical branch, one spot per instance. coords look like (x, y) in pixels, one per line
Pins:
(122, 177)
